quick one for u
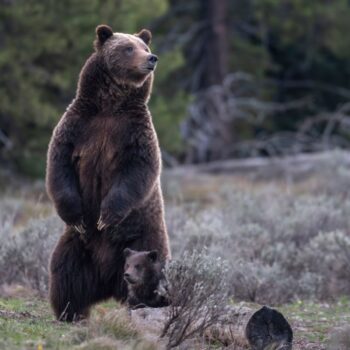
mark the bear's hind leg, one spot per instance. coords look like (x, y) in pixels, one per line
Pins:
(72, 279)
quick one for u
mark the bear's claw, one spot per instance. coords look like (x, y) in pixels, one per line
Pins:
(80, 228)
(100, 224)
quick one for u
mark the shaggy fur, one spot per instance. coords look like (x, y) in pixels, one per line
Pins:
(103, 175)
(145, 279)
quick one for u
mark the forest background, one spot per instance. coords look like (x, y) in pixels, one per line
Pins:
(235, 79)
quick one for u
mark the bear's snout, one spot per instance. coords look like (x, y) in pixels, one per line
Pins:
(152, 60)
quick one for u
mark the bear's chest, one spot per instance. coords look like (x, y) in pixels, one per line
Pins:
(99, 145)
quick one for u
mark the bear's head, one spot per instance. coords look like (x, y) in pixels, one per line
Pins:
(127, 57)
(140, 267)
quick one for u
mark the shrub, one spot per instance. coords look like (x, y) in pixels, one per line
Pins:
(198, 291)
(279, 246)
(24, 255)
(340, 339)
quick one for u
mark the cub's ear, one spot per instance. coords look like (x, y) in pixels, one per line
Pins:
(145, 35)
(153, 255)
(127, 252)
(103, 32)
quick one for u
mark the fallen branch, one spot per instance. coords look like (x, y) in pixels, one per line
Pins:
(241, 326)
(298, 164)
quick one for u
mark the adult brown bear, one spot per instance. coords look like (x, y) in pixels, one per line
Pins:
(103, 175)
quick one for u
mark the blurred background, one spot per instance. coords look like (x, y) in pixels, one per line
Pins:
(236, 78)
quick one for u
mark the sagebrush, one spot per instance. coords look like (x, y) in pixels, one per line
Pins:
(280, 244)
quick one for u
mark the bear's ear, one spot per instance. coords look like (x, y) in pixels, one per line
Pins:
(153, 255)
(127, 252)
(145, 35)
(103, 32)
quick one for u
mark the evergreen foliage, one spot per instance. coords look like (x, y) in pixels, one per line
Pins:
(302, 47)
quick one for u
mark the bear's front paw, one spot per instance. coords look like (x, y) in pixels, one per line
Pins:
(69, 209)
(106, 221)
(100, 224)
(80, 227)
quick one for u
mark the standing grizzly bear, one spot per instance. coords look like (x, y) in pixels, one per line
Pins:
(103, 175)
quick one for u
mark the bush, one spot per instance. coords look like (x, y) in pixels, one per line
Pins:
(340, 339)
(198, 291)
(24, 255)
(280, 247)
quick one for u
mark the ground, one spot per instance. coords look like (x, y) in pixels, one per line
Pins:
(270, 228)
(29, 323)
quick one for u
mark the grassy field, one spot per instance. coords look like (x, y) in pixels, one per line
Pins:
(286, 242)
(27, 323)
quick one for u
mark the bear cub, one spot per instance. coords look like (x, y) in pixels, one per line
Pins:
(145, 279)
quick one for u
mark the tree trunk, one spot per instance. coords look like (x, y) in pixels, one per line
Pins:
(216, 46)
(207, 127)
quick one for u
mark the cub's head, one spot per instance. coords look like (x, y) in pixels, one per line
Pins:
(140, 267)
(128, 58)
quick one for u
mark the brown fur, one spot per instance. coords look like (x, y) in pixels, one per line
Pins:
(103, 173)
(144, 276)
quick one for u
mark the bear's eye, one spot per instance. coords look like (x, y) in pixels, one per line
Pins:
(129, 50)
(138, 267)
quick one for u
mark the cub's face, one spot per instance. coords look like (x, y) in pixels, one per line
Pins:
(139, 266)
(128, 57)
